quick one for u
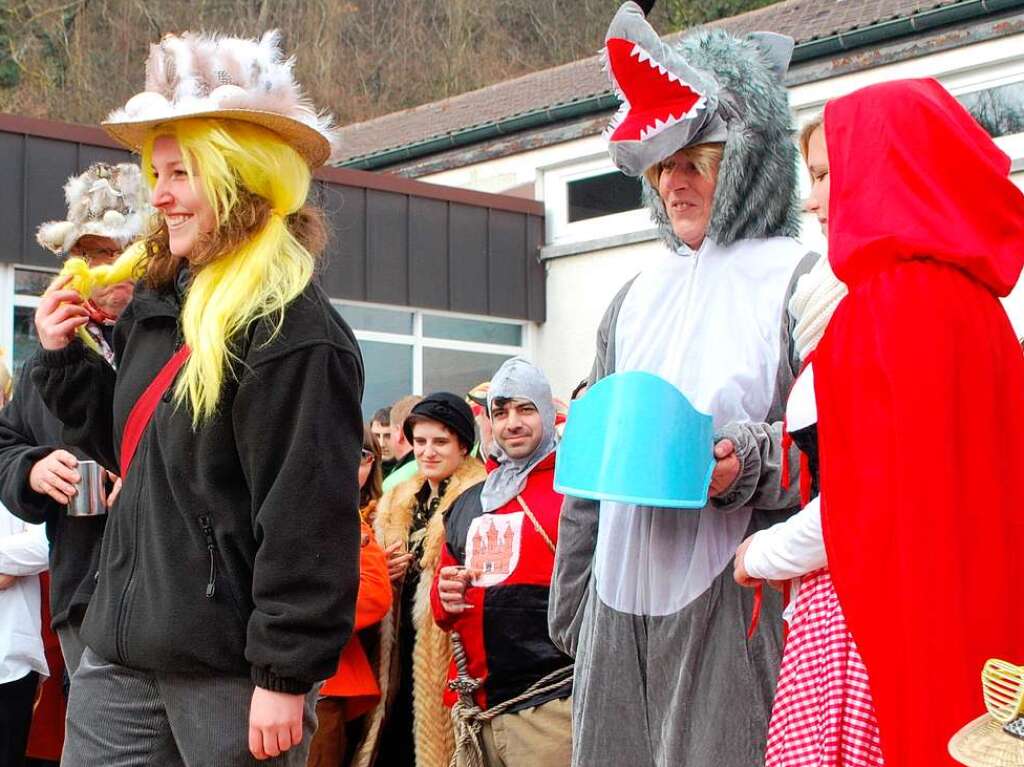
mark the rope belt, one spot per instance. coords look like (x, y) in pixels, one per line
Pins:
(469, 718)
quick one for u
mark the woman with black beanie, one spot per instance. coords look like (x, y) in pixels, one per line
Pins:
(411, 724)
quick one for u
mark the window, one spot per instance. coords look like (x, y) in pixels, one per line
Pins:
(459, 329)
(29, 285)
(457, 371)
(404, 351)
(603, 195)
(387, 368)
(589, 199)
(377, 319)
(999, 110)
(420, 352)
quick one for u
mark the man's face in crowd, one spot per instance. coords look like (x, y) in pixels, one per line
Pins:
(100, 251)
(382, 434)
(517, 426)
(483, 427)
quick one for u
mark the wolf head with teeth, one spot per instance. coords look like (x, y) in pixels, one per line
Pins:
(709, 87)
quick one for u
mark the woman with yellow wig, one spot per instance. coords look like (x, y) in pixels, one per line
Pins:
(228, 577)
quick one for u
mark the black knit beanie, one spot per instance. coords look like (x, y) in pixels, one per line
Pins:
(445, 408)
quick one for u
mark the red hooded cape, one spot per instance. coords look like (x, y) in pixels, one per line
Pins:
(920, 388)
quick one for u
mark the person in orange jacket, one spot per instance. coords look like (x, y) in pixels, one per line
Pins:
(353, 690)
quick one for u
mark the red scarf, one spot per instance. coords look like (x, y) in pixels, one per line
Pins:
(98, 315)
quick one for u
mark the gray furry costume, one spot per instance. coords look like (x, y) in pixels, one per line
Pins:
(643, 598)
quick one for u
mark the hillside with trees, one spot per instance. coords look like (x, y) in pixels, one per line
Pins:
(75, 60)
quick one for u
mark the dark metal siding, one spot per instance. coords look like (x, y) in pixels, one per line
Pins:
(393, 240)
(468, 286)
(428, 253)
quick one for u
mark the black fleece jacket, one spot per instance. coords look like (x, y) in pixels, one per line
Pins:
(234, 548)
(29, 433)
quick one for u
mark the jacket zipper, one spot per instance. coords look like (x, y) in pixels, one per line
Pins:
(690, 288)
(121, 633)
(211, 546)
(121, 627)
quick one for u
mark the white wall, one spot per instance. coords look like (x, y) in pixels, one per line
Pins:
(579, 287)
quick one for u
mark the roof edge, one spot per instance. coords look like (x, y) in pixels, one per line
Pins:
(88, 135)
(873, 34)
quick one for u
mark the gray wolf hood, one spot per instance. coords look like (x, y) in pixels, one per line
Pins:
(709, 87)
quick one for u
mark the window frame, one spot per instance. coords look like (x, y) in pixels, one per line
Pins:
(9, 301)
(419, 342)
(554, 183)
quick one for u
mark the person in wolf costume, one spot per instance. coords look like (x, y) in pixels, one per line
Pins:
(642, 597)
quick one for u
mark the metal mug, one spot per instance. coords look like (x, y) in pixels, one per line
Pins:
(90, 498)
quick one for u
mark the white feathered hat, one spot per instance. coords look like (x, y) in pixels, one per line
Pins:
(106, 201)
(194, 75)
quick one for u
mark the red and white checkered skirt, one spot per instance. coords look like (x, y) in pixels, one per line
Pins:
(823, 714)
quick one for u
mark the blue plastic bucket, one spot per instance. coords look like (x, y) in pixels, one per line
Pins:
(635, 438)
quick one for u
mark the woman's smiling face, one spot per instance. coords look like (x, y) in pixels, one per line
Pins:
(180, 199)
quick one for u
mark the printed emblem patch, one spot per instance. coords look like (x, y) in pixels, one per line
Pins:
(492, 546)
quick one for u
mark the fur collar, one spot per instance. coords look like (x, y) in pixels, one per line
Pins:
(434, 736)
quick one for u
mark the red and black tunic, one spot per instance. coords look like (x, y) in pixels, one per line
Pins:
(505, 633)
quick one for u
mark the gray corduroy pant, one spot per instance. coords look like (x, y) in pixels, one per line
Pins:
(119, 717)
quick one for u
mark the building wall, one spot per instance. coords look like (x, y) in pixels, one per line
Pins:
(436, 282)
(587, 266)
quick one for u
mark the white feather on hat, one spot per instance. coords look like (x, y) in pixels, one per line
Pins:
(105, 201)
(194, 75)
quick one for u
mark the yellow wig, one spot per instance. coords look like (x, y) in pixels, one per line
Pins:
(254, 281)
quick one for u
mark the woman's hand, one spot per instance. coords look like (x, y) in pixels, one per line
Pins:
(55, 476)
(739, 572)
(275, 722)
(398, 560)
(115, 489)
(59, 315)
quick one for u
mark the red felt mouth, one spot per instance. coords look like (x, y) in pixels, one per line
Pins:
(655, 96)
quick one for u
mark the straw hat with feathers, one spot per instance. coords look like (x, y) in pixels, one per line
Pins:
(197, 75)
(106, 201)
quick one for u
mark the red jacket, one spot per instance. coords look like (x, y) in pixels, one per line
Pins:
(355, 679)
(505, 633)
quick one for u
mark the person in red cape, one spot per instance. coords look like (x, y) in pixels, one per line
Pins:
(918, 381)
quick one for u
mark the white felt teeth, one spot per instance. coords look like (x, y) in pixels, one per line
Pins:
(661, 125)
(617, 118)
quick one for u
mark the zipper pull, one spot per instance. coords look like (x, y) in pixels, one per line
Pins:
(211, 546)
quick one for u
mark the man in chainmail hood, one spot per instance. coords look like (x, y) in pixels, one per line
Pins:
(643, 598)
(492, 588)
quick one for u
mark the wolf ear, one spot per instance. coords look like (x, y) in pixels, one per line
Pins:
(777, 50)
(646, 6)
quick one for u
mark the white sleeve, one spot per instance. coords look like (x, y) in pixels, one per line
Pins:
(25, 553)
(789, 549)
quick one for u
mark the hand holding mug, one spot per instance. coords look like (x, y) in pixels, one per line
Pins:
(55, 475)
(452, 582)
